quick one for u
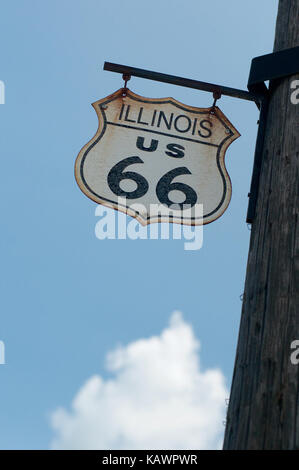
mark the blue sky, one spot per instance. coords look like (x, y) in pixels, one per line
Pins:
(67, 298)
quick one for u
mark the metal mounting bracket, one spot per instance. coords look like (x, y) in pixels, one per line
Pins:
(272, 66)
(180, 81)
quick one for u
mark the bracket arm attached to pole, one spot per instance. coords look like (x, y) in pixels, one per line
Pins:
(180, 81)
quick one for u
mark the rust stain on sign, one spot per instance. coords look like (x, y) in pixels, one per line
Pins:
(157, 159)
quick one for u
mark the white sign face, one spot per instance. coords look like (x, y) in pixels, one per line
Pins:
(157, 159)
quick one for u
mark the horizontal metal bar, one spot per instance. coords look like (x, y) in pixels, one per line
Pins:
(185, 82)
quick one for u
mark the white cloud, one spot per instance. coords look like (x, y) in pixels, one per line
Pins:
(158, 398)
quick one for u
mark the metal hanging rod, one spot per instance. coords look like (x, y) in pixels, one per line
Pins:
(185, 82)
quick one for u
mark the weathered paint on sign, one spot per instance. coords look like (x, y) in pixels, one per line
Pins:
(157, 152)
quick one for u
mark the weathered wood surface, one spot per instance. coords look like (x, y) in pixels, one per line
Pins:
(263, 411)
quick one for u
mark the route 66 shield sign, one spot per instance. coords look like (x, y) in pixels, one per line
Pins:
(157, 159)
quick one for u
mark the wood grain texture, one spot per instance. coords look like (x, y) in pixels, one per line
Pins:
(263, 412)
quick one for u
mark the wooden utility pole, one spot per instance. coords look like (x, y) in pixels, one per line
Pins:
(263, 411)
